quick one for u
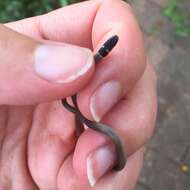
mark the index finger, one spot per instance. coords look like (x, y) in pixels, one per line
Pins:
(90, 24)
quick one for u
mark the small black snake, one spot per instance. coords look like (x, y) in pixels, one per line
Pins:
(80, 119)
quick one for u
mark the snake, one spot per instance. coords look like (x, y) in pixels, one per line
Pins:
(80, 119)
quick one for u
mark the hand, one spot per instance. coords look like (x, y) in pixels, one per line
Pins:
(39, 148)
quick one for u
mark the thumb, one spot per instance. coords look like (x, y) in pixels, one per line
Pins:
(32, 72)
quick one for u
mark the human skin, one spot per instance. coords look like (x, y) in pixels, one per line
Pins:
(39, 148)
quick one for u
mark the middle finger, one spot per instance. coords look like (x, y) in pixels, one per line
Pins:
(133, 119)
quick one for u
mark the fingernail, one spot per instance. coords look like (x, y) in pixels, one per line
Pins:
(104, 98)
(62, 64)
(99, 163)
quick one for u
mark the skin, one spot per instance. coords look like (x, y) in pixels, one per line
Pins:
(38, 145)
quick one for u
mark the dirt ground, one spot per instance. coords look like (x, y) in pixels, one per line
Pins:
(167, 158)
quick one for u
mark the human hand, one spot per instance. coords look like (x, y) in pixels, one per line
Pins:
(39, 148)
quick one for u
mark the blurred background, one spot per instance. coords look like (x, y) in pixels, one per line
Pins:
(166, 27)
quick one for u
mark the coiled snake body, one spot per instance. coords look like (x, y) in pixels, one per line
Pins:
(80, 119)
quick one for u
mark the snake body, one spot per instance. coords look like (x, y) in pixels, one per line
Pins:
(99, 127)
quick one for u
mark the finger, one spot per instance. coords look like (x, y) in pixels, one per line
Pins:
(62, 26)
(118, 72)
(125, 179)
(133, 119)
(50, 141)
(32, 72)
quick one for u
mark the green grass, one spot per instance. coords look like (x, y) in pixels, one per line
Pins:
(11, 10)
(179, 16)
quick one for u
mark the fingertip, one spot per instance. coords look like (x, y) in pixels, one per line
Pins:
(86, 144)
(62, 63)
